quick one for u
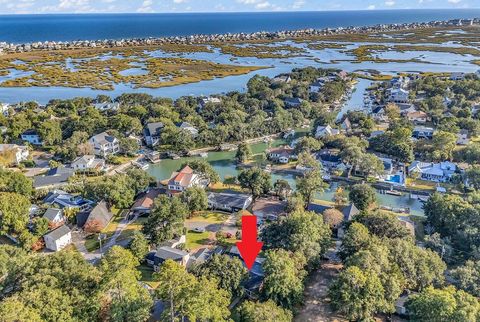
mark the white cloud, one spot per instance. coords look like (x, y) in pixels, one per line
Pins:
(390, 3)
(454, 1)
(371, 7)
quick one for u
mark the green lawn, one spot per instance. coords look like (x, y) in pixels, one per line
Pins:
(210, 217)
(147, 276)
(197, 240)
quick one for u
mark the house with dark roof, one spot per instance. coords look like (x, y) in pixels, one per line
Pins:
(54, 216)
(144, 203)
(54, 178)
(156, 259)
(318, 209)
(231, 202)
(98, 217)
(58, 238)
(152, 133)
(292, 102)
(349, 212)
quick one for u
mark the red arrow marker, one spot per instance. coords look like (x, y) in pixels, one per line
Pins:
(249, 247)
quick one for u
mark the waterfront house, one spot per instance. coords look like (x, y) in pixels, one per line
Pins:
(437, 172)
(54, 216)
(144, 203)
(231, 202)
(66, 200)
(349, 212)
(282, 79)
(184, 179)
(379, 114)
(58, 238)
(457, 76)
(102, 107)
(104, 144)
(399, 95)
(96, 219)
(152, 133)
(399, 82)
(208, 100)
(422, 132)
(281, 154)
(316, 86)
(463, 137)
(189, 128)
(54, 178)
(417, 117)
(328, 159)
(88, 163)
(324, 131)
(292, 102)
(31, 136)
(5, 109)
(156, 259)
(14, 154)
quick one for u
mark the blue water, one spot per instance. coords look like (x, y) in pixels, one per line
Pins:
(30, 28)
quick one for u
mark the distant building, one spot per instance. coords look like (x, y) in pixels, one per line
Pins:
(208, 100)
(292, 102)
(88, 163)
(231, 202)
(457, 76)
(324, 131)
(18, 153)
(152, 133)
(107, 106)
(282, 79)
(104, 144)
(58, 239)
(417, 117)
(31, 136)
(422, 132)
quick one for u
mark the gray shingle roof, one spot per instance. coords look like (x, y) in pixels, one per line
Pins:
(170, 253)
(231, 200)
(51, 213)
(59, 232)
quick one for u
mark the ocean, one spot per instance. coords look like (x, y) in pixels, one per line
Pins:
(67, 27)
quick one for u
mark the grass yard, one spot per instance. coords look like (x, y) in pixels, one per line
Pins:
(147, 276)
(209, 217)
(421, 184)
(197, 240)
(92, 243)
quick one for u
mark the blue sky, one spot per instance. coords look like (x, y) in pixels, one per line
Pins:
(101, 6)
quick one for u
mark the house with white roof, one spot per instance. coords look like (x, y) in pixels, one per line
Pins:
(189, 128)
(437, 172)
(5, 108)
(88, 163)
(31, 136)
(399, 95)
(104, 144)
(107, 106)
(456, 76)
(17, 153)
(208, 100)
(323, 131)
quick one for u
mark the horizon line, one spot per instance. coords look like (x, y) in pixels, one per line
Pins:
(221, 12)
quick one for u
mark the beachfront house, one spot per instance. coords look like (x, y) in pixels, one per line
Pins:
(281, 154)
(58, 238)
(184, 179)
(324, 131)
(436, 172)
(31, 136)
(152, 133)
(231, 202)
(88, 163)
(14, 154)
(104, 144)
